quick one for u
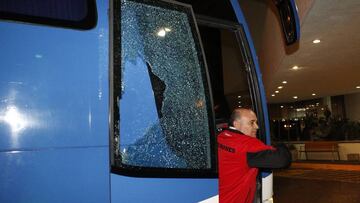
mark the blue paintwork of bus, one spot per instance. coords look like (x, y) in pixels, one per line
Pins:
(54, 120)
(54, 131)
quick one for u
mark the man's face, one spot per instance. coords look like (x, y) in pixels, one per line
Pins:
(247, 124)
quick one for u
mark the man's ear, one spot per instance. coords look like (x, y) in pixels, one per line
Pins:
(236, 123)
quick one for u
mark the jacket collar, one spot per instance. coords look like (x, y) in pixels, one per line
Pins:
(234, 130)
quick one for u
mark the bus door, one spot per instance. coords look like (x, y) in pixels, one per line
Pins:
(235, 75)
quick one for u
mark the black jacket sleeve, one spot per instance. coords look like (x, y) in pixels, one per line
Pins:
(279, 158)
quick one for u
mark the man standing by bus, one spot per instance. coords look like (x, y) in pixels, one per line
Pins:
(241, 154)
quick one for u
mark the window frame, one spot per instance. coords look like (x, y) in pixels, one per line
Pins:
(116, 166)
(253, 81)
(252, 76)
(87, 23)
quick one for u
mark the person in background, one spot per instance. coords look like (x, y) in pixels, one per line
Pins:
(240, 156)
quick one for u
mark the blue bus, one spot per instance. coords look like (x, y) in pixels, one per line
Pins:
(120, 100)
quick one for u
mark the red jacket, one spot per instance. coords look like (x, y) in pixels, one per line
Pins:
(239, 155)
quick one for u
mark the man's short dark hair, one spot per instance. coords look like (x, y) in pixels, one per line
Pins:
(236, 115)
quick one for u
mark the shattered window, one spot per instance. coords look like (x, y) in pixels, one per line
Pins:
(163, 106)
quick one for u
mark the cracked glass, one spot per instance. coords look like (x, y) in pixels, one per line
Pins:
(164, 119)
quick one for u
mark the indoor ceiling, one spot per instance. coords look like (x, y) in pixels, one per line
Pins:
(328, 68)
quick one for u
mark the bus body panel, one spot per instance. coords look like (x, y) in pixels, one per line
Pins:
(54, 86)
(54, 133)
(55, 175)
(132, 189)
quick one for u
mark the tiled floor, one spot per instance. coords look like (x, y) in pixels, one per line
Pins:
(334, 175)
(317, 183)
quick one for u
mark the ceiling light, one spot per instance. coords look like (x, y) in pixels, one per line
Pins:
(281, 106)
(280, 87)
(277, 91)
(313, 94)
(316, 41)
(295, 68)
(167, 29)
(273, 95)
(357, 87)
(284, 82)
(295, 97)
(239, 106)
(239, 96)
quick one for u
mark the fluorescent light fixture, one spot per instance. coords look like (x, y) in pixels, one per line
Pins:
(313, 94)
(273, 95)
(357, 87)
(284, 82)
(280, 87)
(277, 91)
(295, 97)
